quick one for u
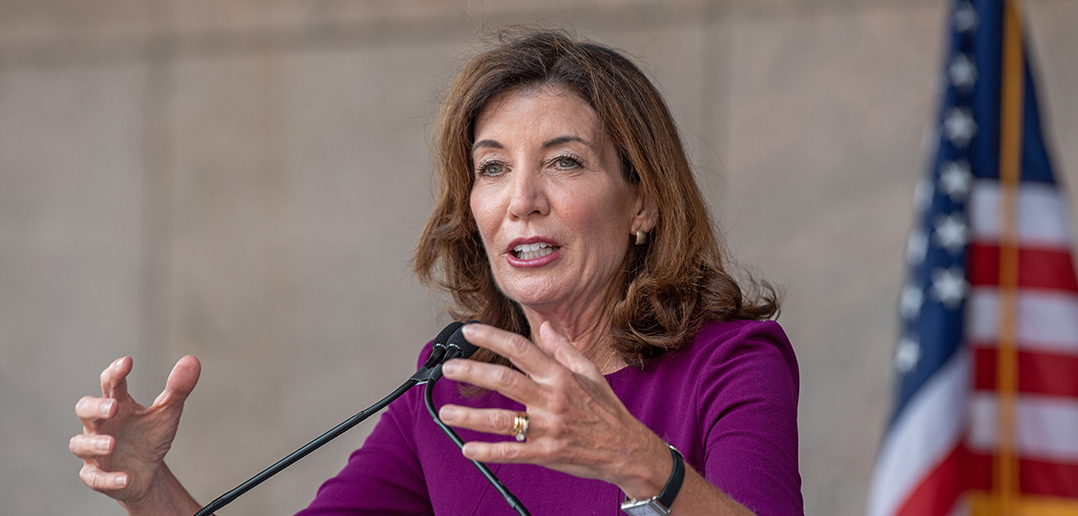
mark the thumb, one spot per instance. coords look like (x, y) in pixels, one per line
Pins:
(181, 381)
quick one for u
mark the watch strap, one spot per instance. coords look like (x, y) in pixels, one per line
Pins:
(673, 484)
(660, 505)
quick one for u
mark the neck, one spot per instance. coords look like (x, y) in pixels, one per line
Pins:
(588, 330)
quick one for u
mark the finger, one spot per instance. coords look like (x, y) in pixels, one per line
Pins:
(91, 409)
(500, 452)
(518, 349)
(510, 383)
(491, 421)
(88, 446)
(114, 378)
(565, 353)
(181, 381)
(100, 480)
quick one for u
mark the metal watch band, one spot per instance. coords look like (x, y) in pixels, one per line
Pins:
(660, 505)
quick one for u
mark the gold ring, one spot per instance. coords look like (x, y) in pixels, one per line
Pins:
(520, 426)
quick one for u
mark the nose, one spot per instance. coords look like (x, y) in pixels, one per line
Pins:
(528, 195)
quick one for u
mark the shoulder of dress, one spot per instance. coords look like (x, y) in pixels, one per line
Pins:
(720, 341)
(740, 331)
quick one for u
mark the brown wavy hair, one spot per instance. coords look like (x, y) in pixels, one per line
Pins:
(668, 287)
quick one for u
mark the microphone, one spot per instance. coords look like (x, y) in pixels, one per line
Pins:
(459, 347)
(438, 351)
(457, 340)
(441, 350)
(456, 347)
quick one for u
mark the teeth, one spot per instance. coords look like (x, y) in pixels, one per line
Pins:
(527, 248)
(531, 255)
(533, 251)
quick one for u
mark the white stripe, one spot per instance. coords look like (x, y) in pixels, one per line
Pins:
(924, 433)
(1047, 320)
(1045, 427)
(1043, 219)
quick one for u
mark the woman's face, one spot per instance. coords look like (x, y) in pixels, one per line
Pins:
(552, 207)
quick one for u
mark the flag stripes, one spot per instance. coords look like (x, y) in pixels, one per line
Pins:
(1047, 320)
(1047, 374)
(922, 437)
(962, 471)
(1038, 268)
(937, 493)
(1042, 220)
(1040, 478)
(1043, 426)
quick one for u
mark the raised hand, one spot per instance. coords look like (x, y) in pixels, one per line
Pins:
(577, 424)
(123, 444)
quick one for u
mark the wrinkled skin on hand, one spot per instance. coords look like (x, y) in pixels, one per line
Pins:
(123, 444)
(577, 424)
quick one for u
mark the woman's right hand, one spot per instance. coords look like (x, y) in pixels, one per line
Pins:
(123, 444)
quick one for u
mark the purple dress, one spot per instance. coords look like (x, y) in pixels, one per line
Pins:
(728, 402)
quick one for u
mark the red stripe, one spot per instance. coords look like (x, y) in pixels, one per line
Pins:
(1037, 477)
(1038, 267)
(938, 492)
(1050, 374)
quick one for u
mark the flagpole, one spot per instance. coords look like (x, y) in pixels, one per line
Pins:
(1007, 488)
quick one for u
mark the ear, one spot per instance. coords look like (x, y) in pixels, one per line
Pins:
(646, 213)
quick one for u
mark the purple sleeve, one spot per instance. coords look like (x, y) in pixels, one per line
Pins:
(383, 477)
(749, 421)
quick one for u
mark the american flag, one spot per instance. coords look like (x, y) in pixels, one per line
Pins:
(986, 416)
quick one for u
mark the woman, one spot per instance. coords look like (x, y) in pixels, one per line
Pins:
(615, 342)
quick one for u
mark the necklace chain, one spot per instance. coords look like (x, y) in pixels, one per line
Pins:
(602, 370)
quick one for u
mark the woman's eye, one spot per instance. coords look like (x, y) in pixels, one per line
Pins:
(565, 162)
(491, 169)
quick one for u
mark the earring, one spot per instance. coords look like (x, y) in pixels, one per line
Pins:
(641, 237)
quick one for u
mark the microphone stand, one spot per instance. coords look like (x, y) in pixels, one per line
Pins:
(428, 398)
(454, 346)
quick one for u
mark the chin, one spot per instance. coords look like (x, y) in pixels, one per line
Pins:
(534, 292)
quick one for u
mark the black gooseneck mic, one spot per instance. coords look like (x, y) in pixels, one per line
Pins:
(450, 343)
(457, 340)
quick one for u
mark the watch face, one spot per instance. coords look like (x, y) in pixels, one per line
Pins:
(644, 508)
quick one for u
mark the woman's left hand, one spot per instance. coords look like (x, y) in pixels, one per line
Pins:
(577, 424)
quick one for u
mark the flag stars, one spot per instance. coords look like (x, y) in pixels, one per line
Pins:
(959, 127)
(912, 298)
(916, 248)
(952, 233)
(955, 179)
(907, 354)
(965, 18)
(949, 286)
(963, 73)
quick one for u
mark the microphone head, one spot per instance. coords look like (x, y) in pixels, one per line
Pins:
(447, 332)
(467, 349)
(438, 346)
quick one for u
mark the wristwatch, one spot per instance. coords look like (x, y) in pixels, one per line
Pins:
(660, 505)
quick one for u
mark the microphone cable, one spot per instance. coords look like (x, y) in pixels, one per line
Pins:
(428, 398)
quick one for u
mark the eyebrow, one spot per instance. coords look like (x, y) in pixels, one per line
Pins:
(565, 139)
(487, 143)
(547, 144)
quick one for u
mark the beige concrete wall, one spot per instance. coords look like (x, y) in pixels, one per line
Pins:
(244, 181)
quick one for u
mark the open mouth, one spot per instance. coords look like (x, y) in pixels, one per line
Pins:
(533, 251)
